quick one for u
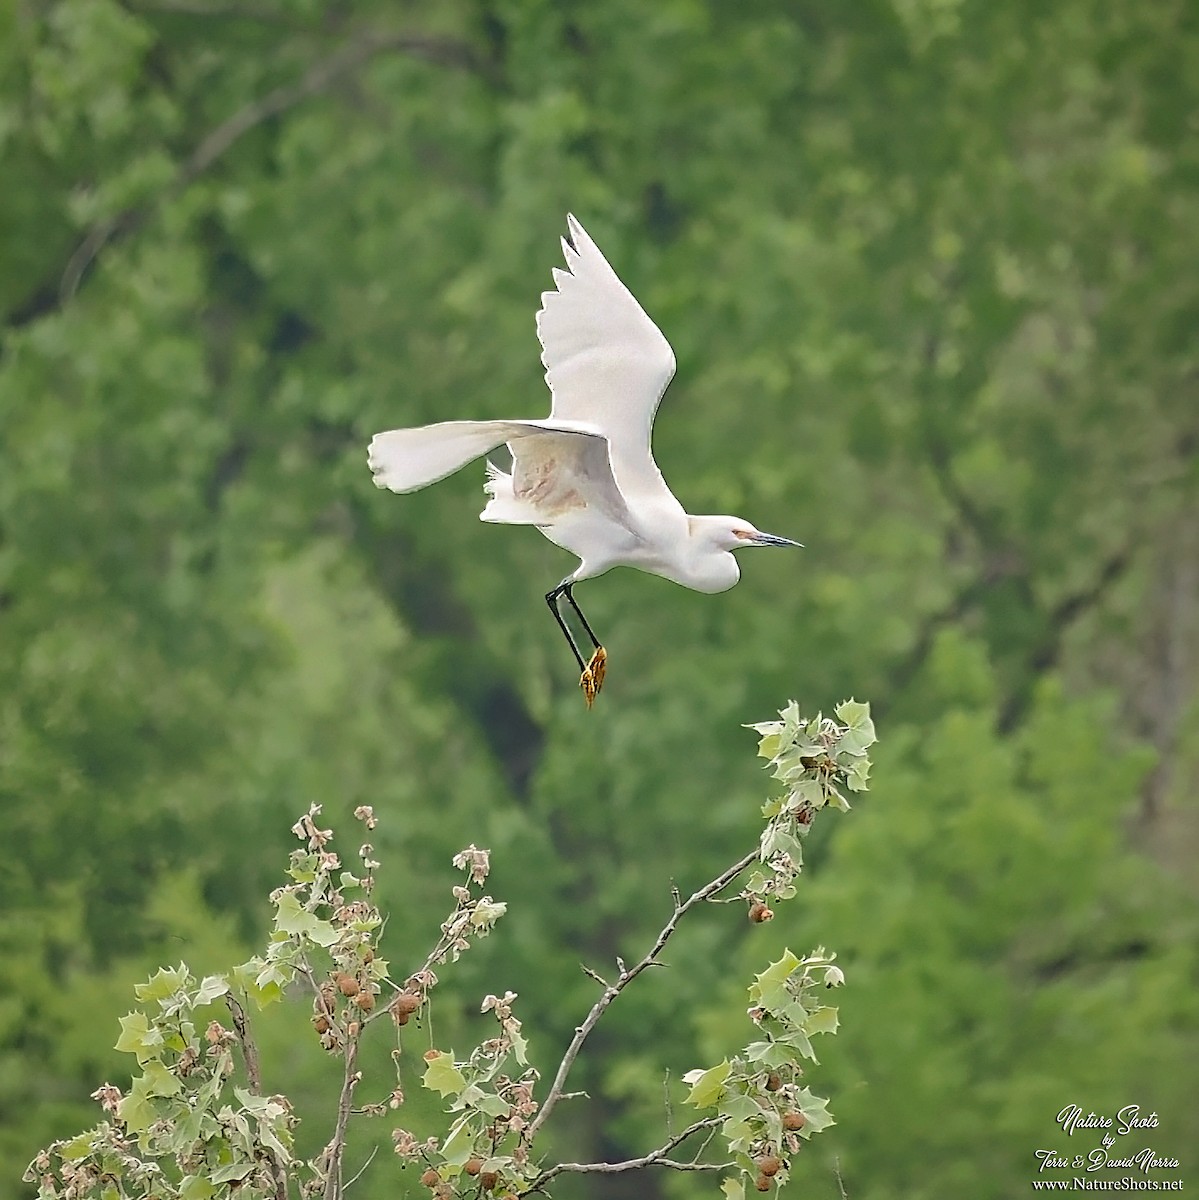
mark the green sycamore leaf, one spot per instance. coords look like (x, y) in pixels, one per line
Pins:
(757, 1051)
(303, 867)
(809, 790)
(707, 1086)
(195, 1187)
(493, 1105)
(292, 919)
(822, 1020)
(234, 1171)
(738, 1134)
(857, 776)
(771, 1054)
(739, 1108)
(187, 1131)
(138, 1037)
(163, 983)
(776, 840)
(459, 1141)
(770, 742)
(769, 988)
(159, 1081)
(732, 1189)
(177, 1039)
(265, 1108)
(520, 1049)
(854, 715)
(837, 800)
(210, 1091)
(212, 987)
(136, 1109)
(815, 1109)
(802, 1043)
(789, 765)
(442, 1076)
(772, 807)
(792, 1013)
(79, 1147)
(268, 985)
(243, 974)
(855, 741)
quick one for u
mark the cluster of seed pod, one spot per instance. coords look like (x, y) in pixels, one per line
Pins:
(407, 1001)
(491, 1182)
(768, 1158)
(358, 992)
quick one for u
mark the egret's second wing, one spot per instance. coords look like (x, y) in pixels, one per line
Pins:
(606, 362)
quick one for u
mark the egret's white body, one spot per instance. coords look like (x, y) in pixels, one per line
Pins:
(585, 476)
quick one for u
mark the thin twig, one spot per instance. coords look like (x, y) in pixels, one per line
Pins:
(249, 1053)
(336, 1147)
(354, 53)
(655, 1158)
(626, 976)
(249, 1050)
(840, 1181)
(435, 957)
(361, 1170)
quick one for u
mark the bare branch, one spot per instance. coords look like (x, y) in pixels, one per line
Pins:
(336, 1147)
(370, 1158)
(840, 1181)
(249, 1049)
(655, 1158)
(626, 976)
(249, 1052)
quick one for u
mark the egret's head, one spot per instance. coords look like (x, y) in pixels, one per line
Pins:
(731, 533)
(713, 568)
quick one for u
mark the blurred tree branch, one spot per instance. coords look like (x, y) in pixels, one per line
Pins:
(259, 14)
(355, 52)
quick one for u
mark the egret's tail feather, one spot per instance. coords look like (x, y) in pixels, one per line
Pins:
(406, 460)
(503, 508)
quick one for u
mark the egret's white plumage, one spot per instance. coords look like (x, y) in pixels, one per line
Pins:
(585, 476)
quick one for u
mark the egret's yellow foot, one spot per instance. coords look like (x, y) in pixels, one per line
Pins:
(592, 678)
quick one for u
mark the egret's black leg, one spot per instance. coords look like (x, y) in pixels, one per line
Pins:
(551, 598)
(591, 678)
(568, 592)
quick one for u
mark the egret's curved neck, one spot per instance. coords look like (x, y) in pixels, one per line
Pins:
(704, 567)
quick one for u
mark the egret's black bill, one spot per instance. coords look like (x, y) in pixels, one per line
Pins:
(770, 539)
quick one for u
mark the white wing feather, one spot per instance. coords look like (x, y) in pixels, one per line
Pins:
(606, 363)
(406, 460)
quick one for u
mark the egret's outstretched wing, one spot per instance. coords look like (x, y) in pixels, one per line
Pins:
(405, 460)
(606, 362)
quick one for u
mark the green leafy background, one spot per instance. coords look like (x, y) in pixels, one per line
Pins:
(929, 268)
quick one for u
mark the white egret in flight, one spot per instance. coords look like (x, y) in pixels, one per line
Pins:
(584, 476)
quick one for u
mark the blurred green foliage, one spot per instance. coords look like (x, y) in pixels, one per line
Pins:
(929, 270)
